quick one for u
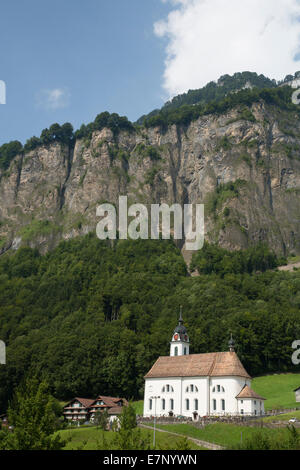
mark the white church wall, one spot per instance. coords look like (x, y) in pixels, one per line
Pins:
(251, 406)
(258, 407)
(245, 406)
(232, 387)
(195, 388)
(201, 389)
(154, 387)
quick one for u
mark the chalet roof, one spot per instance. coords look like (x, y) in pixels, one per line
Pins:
(194, 365)
(86, 402)
(247, 392)
(109, 401)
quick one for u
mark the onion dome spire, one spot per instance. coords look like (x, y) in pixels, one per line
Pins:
(180, 328)
(231, 344)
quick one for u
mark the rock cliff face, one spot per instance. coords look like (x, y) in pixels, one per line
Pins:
(245, 168)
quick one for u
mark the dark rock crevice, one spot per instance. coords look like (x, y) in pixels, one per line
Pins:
(19, 172)
(70, 155)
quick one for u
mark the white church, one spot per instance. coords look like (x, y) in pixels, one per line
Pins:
(195, 385)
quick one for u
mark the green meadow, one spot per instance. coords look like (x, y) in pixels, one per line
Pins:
(278, 389)
(91, 438)
(226, 435)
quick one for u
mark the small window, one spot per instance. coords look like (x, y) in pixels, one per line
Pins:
(196, 404)
(223, 389)
(255, 412)
(168, 388)
(172, 404)
(163, 404)
(218, 388)
(187, 390)
(150, 404)
(163, 390)
(242, 401)
(192, 388)
(176, 351)
(187, 404)
(196, 389)
(242, 412)
(214, 389)
(254, 402)
(214, 405)
(223, 405)
(184, 352)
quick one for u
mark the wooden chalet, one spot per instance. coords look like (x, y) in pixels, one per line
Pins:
(85, 409)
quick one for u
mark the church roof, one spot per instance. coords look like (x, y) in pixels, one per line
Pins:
(247, 392)
(194, 365)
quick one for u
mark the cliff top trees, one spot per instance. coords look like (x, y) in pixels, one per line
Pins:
(8, 152)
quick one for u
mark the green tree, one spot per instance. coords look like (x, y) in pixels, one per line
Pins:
(101, 419)
(128, 418)
(33, 415)
(128, 436)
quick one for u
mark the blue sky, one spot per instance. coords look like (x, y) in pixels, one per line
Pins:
(68, 60)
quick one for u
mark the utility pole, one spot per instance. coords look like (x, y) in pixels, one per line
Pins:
(154, 422)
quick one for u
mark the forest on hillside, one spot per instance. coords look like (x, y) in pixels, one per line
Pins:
(91, 316)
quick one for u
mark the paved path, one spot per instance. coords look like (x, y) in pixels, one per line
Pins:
(289, 267)
(207, 445)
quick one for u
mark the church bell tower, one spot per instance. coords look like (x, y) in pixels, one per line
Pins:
(180, 344)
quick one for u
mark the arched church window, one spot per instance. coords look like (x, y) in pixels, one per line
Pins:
(196, 404)
(192, 387)
(196, 389)
(163, 404)
(219, 389)
(163, 390)
(223, 405)
(187, 404)
(171, 404)
(214, 405)
(150, 404)
(168, 388)
(176, 351)
(187, 390)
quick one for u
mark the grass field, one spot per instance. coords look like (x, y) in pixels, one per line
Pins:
(226, 435)
(90, 438)
(278, 390)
